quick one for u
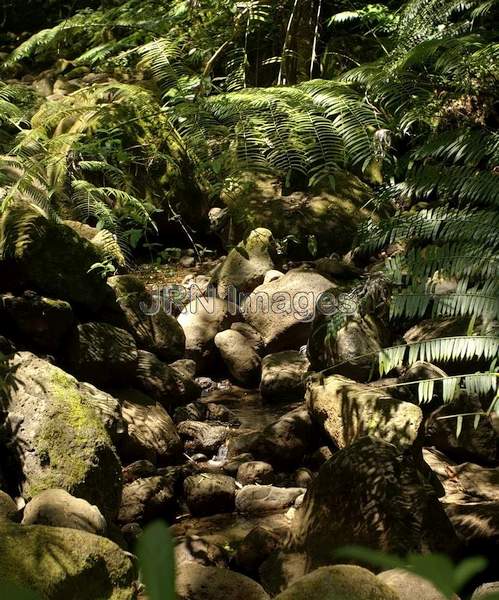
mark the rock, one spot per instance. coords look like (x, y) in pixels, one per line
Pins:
(8, 508)
(103, 354)
(149, 498)
(416, 372)
(55, 261)
(282, 310)
(283, 375)
(353, 349)
(209, 494)
(252, 336)
(485, 590)
(194, 549)
(151, 431)
(59, 509)
(201, 320)
(240, 358)
(246, 264)
(261, 499)
(341, 582)
(41, 323)
(408, 586)
(430, 329)
(255, 472)
(59, 441)
(319, 457)
(151, 326)
(303, 477)
(375, 487)
(196, 582)
(185, 366)
(285, 442)
(476, 444)
(171, 385)
(257, 546)
(202, 437)
(231, 467)
(69, 563)
(107, 408)
(348, 411)
(272, 275)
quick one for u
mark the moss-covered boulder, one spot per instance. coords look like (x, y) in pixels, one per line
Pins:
(341, 582)
(246, 264)
(63, 564)
(155, 331)
(57, 437)
(347, 411)
(53, 259)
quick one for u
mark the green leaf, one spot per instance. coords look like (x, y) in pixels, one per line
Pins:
(467, 569)
(13, 592)
(156, 561)
(372, 557)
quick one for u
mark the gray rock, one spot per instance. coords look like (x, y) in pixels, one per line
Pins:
(8, 508)
(202, 437)
(283, 375)
(239, 356)
(485, 590)
(59, 509)
(261, 499)
(209, 494)
(195, 549)
(408, 586)
(255, 472)
(256, 547)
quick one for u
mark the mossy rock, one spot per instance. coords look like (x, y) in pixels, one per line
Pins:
(58, 438)
(53, 258)
(64, 564)
(341, 582)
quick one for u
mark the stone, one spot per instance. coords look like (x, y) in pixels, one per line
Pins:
(8, 508)
(352, 350)
(255, 472)
(303, 477)
(246, 264)
(201, 320)
(240, 358)
(151, 326)
(56, 261)
(107, 408)
(408, 585)
(261, 499)
(103, 354)
(57, 508)
(151, 431)
(282, 310)
(283, 375)
(197, 582)
(430, 329)
(484, 591)
(209, 494)
(41, 323)
(252, 336)
(340, 582)
(59, 440)
(150, 498)
(171, 385)
(476, 444)
(256, 547)
(347, 411)
(272, 275)
(370, 494)
(195, 549)
(60, 563)
(202, 437)
(137, 470)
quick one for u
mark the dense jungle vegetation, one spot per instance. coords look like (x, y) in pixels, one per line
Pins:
(299, 146)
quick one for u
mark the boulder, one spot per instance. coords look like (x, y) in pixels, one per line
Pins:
(341, 582)
(58, 439)
(137, 470)
(246, 264)
(261, 499)
(151, 326)
(196, 582)
(171, 385)
(209, 494)
(107, 408)
(202, 437)
(252, 336)
(353, 349)
(430, 329)
(54, 260)
(257, 546)
(282, 310)
(486, 590)
(41, 323)
(8, 508)
(239, 356)
(348, 410)
(255, 472)
(151, 431)
(150, 498)
(60, 563)
(201, 320)
(59, 509)
(408, 586)
(103, 354)
(370, 494)
(283, 375)
(195, 549)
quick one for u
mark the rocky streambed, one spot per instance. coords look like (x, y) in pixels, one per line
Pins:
(265, 440)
